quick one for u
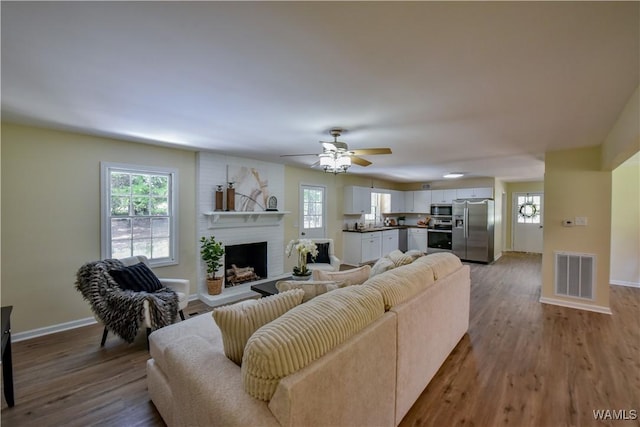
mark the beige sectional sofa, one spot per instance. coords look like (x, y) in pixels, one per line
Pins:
(372, 378)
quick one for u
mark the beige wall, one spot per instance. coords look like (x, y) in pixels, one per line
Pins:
(623, 140)
(335, 184)
(518, 187)
(625, 223)
(51, 217)
(575, 185)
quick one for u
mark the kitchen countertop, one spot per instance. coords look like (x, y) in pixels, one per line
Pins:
(374, 229)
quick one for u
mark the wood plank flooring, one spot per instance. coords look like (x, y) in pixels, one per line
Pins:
(521, 364)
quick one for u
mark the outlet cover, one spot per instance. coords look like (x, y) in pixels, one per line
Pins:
(581, 220)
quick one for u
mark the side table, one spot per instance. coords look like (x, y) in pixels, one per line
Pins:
(7, 363)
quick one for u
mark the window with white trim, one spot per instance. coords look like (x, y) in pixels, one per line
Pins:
(139, 212)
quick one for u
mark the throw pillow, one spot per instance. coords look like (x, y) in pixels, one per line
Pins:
(239, 321)
(399, 258)
(323, 254)
(355, 276)
(382, 265)
(311, 288)
(138, 278)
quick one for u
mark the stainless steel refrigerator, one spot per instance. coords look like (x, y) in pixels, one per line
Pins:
(472, 233)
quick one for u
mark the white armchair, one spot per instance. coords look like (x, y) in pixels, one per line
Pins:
(127, 309)
(326, 259)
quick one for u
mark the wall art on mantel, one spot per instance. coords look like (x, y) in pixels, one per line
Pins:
(252, 188)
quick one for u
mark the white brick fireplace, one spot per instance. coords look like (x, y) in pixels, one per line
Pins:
(234, 228)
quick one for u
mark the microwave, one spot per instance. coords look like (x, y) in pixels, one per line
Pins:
(441, 210)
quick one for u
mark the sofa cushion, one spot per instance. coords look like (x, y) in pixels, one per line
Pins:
(311, 288)
(399, 258)
(442, 263)
(238, 321)
(402, 283)
(355, 276)
(137, 278)
(304, 334)
(382, 265)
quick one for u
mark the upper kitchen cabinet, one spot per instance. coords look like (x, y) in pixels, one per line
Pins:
(417, 201)
(422, 201)
(475, 193)
(397, 201)
(443, 196)
(357, 200)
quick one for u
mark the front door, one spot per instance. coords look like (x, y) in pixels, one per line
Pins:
(527, 222)
(313, 213)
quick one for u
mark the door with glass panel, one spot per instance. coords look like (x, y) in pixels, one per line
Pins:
(527, 222)
(313, 212)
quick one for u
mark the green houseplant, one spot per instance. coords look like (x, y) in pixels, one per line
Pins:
(212, 252)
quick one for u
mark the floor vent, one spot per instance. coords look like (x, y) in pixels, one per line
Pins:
(575, 274)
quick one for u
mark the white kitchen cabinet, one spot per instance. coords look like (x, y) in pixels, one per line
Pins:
(417, 201)
(371, 246)
(357, 200)
(475, 193)
(361, 247)
(417, 239)
(390, 241)
(422, 201)
(443, 196)
(397, 202)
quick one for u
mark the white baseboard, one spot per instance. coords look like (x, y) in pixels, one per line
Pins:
(497, 257)
(34, 333)
(577, 305)
(625, 283)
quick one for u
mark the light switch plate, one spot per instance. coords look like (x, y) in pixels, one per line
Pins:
(581, 220)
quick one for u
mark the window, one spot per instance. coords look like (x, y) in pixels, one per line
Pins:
(139, 213)
(380, 203)
(529, 209)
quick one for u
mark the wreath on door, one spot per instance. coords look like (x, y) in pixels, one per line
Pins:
(528, 209)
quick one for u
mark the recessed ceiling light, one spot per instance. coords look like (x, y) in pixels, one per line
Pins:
(453, 175)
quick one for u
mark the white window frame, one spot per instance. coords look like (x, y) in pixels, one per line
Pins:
(105, 209)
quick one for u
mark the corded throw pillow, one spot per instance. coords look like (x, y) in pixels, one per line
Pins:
(138, 278)
(355, 276)
(323, 254)
(239, 321)
(311, 288)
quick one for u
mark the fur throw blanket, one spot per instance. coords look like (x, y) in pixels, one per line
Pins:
(122, 311)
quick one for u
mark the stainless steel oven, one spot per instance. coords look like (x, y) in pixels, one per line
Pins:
(438, 240)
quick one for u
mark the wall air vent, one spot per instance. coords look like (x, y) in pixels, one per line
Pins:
(575, 274)
(426, 186)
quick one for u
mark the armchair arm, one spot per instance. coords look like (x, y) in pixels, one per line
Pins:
(178, 285)
(335, 262)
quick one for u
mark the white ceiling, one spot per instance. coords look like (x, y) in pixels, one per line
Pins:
(483, 88)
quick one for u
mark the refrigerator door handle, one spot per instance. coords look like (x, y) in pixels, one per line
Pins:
(466, 223)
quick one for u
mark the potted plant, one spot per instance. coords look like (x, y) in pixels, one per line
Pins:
(212, 252)
(303, 247)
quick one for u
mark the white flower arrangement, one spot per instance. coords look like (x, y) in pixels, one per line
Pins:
(303, 247)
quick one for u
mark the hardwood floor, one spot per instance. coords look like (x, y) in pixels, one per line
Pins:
(522, 363)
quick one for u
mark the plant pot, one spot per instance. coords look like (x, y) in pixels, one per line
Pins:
(214, 286)
(305, 277)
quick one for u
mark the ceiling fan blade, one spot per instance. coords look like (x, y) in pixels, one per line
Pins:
(315, 165)
(360, 161)
(371, 151)
(296, 155)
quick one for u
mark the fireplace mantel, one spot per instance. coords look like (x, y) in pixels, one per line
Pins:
(223, 219)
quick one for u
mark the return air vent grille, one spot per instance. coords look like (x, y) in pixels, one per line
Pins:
(575, 274)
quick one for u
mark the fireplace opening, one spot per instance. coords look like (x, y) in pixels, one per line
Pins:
(245, 263)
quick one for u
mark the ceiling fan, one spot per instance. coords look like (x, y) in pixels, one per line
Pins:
(336, 157)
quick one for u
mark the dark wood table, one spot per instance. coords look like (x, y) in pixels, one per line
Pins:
(267, 288)
(7, 363)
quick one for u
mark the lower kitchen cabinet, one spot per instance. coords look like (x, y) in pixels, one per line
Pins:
(359, 248)
(390, 241)
(417, 239)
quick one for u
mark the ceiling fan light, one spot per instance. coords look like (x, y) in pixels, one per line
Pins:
(453, 175)
(326, 161)
(343, 162)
